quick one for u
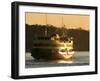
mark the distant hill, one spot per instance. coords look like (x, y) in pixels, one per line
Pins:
(81, 37)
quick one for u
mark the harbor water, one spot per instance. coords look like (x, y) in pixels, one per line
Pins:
(79, 59)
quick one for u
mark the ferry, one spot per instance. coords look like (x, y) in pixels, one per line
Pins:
(52, 47)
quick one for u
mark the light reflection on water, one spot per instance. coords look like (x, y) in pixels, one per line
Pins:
(64, 61)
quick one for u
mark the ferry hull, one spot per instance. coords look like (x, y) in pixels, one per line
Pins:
(50, 54)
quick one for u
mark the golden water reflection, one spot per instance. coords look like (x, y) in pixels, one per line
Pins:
(65, 61)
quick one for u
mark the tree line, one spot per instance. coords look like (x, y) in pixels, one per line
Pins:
(80, 36)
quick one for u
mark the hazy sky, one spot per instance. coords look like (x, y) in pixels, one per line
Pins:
(70, 21)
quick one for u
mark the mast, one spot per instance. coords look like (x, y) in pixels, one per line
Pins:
(63, 27)
(46, 25)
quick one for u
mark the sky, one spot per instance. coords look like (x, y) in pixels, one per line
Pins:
(71, 21)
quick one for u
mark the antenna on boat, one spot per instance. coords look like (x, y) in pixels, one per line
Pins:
(63, 27)
(46, 25)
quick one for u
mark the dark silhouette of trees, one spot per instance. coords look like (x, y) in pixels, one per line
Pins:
(81, 37)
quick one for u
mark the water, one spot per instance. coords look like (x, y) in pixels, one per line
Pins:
(80, 58)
